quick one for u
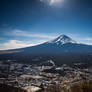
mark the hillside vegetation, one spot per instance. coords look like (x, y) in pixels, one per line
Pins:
(76, 87)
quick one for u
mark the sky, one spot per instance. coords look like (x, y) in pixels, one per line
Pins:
(30, 22)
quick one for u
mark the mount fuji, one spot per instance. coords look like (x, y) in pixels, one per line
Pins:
(61, 50)
(62, 39)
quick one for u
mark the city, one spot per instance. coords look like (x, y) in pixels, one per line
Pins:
(34, 78)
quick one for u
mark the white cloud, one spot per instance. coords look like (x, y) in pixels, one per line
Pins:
(27, 34)
(89, 43)
(55, 1)
(52, 2)
(13, 44)
(88, 39)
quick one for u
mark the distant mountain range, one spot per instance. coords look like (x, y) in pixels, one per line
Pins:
(60, 50)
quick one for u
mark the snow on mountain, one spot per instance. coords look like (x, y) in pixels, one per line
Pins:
(62, 39)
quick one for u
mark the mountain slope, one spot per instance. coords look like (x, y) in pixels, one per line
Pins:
(61, 50)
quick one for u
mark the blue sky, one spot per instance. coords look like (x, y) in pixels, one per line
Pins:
(30, 22)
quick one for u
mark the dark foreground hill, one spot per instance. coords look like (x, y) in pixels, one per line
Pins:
(61, 50)
(6, 88)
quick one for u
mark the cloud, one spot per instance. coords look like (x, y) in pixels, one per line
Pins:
(88, 39)
(13, 44)
(52, 2)
(55, 1)
(89, 43)
(27, 34)
(15, 39)
(17, 32)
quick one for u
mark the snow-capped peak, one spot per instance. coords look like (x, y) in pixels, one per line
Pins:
(63, 39)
